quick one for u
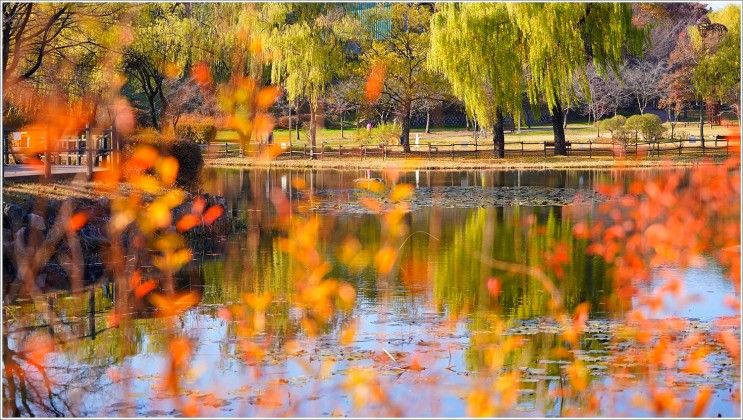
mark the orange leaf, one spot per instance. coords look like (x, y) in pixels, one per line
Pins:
(385, 259)
(146, 287)
(701, 402)
(201, 74)
(77, 221)
(266, 97)
(168, 169)
(169, 306)
(144, 157)
(187, 222)
(494, 287)
(401, 192)
(375, 82)
(213, 213)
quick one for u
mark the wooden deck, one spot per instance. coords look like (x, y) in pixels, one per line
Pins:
(25, 173)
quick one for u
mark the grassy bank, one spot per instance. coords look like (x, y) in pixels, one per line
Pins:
(356, 137)
(552, 162)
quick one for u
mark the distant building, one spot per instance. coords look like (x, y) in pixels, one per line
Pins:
(380, 28)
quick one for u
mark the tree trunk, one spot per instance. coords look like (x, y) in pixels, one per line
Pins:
(153, 112)
(565, 119)
(559, 131)
(499, 137)
(405, 132)
(290, 127)
(428, 121)
(701, 122)
(296, 126)
(342, 136)
(313, 129)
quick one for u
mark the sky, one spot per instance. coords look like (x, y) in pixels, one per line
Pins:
(717, 5)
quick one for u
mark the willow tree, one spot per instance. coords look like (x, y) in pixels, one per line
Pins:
(558, 41)
(306, 45)
(473, 46)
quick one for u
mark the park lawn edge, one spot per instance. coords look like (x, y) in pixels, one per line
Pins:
(460, 164)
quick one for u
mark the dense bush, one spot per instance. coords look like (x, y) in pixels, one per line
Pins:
(199, 129)
(648, 125)
(651, 127)
(612, 124)
(190, 161)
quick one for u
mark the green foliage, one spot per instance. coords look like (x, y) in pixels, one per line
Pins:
(306, 48)
(557, 36)
(634, 125)
(384, 133)
(651, 127)
(401, 56)
(480, 62)
(717, 74)
(613, 123)
(199, 129)
(648, 125)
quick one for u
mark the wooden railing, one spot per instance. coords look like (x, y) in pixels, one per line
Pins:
(590, 148)
(91, 148)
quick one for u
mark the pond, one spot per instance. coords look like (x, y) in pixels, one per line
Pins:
(425, 329)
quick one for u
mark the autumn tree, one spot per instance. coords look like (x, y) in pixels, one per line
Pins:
(481, 63)
(402, 51)
(558, 40)
(68, 48)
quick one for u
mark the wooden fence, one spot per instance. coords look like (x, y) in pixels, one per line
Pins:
(717, 145)
(91, 148)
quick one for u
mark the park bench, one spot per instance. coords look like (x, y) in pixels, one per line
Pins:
(551, 145)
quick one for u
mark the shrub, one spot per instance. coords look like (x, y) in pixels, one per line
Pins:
(612, 124)
(190, 161)
(150, 136)
(199, 129)
(651, 127)
(386, 133)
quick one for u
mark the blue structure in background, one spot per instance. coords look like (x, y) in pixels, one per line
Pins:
(380, 28)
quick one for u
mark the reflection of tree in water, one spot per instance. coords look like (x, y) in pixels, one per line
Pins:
(515, 235)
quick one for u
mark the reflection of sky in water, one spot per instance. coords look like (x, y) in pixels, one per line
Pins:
(704, 290)
(395, 320)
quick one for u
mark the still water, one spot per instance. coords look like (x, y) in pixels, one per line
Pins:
(435, 306)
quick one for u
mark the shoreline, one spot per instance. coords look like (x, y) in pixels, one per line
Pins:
(555, 163)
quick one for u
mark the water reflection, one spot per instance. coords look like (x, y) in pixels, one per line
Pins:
(434, 306)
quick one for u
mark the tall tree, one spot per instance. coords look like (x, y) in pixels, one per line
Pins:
(307, 51)
(480, 62)
(716, 76)
(558, 39)
(159, 51)
(65, 48)
(403, 50)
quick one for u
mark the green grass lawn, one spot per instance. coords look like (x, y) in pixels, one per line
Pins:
(578, 131)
